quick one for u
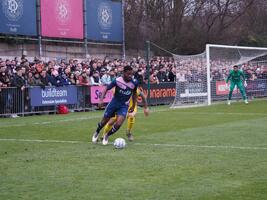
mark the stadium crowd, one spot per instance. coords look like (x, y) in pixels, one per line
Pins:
(193, 69)
(20, 72)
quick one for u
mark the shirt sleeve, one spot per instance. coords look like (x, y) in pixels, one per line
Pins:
(111, 85)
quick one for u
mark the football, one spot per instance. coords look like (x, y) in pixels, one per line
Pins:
(119, 143)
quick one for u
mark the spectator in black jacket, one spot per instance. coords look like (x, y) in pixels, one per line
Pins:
(139, 76)
(172, 75)
(37, 80)
(55, 79)
(4, 76)
(17, 95)
(44, 78)
(18, 79)
(162, 77)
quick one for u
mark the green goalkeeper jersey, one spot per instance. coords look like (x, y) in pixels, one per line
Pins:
(235, 76)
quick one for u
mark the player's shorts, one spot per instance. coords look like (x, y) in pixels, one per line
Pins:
(114, 108)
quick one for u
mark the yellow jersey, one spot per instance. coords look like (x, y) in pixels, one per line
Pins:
(131, 100)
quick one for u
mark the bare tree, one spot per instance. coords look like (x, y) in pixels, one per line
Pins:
(185, 26)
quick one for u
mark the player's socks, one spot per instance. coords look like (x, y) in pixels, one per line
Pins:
(229, 102)
(107, 128)
(246, 101)
(130, 123)
(111, 132)
(99, 127)
(96, 134)
(230, 95)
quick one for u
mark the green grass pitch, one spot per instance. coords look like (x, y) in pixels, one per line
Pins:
(216, 152)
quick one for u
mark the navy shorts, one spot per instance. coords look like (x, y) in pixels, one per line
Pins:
(114, 108)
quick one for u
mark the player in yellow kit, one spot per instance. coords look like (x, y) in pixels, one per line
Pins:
(130, 117)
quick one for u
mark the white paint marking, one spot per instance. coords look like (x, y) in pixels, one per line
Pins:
(99, 116)
(141, 144)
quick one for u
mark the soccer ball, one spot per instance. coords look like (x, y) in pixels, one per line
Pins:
(119, 143)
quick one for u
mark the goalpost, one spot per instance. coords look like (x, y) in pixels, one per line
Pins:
(200, 79)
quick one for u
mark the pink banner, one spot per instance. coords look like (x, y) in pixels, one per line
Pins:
(96, 91)
(62, 18)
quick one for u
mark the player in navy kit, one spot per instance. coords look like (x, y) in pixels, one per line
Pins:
(125, 89)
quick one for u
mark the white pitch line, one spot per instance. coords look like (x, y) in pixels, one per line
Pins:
(99, 116)
(41, 141)
(141, 144)
(51, 122)
(62, 120)
(203, 146)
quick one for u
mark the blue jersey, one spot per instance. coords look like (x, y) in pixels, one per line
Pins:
(123, 90)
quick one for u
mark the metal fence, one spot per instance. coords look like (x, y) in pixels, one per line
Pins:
(14, 101)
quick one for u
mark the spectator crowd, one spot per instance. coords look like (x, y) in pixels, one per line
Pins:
(20, 72)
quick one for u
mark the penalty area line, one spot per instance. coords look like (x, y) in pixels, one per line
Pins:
(139, 144)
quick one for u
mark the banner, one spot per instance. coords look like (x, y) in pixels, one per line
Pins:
(62, 18)
(257, 86)
(163, 93)
(96, 92)
(104, 20)
(222, 88)
(18, 17)
(192, 90)
(53, 95)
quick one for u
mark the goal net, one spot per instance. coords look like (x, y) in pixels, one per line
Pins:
(200, 79)
(191, 80)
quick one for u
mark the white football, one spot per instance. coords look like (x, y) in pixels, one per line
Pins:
(119, 143)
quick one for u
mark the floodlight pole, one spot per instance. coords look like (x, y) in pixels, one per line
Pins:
(148, 70)
(123, 29)
(38, 10)
(85, 28)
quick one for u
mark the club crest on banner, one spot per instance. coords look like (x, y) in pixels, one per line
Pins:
(13, 9)
(105, 15)
(63, 11)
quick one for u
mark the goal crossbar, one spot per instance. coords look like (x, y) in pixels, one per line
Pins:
(235, 47)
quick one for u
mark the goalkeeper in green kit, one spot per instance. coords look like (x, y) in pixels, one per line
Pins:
(237, 78)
